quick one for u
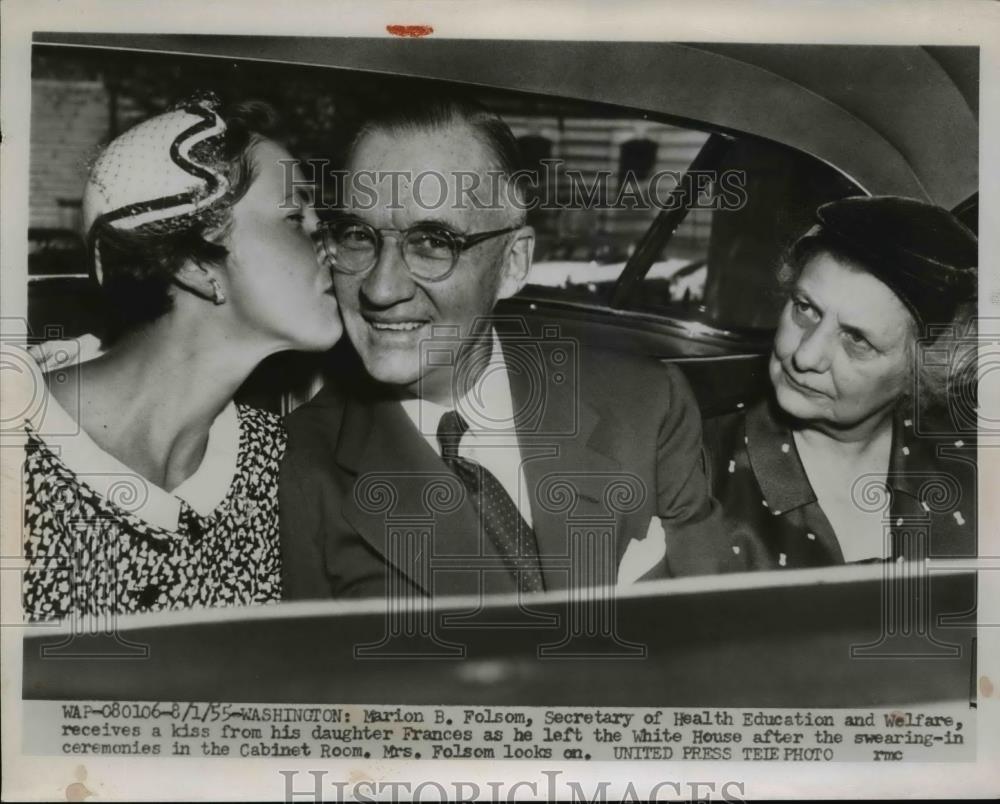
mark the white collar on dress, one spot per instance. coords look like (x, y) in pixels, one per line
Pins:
(204, 490)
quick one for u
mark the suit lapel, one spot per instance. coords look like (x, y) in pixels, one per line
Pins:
(562, 438)
(401, 485)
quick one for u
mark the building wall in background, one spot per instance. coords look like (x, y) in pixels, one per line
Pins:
(70, 120)
(592, 145)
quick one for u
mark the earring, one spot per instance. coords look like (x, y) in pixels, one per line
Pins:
(218, 297)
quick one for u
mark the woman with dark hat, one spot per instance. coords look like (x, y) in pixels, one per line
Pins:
(146, 487)
(848, 458)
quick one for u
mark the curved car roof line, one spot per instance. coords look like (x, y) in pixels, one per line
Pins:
(923, 100)
(891, 151)
(889, 117)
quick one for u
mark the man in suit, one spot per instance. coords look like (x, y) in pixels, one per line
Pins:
(476, 455)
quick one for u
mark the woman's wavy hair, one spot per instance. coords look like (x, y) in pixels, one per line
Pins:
(935, 380)
(138, 267)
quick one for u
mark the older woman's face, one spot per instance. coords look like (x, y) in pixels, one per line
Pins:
(276, 284)
(842, 350)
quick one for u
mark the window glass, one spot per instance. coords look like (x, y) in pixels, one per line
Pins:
(601, 182)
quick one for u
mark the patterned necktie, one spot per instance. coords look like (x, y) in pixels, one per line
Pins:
(501, 519)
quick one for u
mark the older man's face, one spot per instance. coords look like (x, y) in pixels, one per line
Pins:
(387, 311)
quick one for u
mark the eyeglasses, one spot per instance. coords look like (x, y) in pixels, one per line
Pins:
(430, 251)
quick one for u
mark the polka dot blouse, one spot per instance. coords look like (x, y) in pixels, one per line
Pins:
(774, 521)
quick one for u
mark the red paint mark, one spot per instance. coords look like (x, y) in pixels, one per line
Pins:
(411, 31)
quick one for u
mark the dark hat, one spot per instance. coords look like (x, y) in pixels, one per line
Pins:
(924, 254)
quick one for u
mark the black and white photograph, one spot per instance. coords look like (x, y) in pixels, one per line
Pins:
(400, 388)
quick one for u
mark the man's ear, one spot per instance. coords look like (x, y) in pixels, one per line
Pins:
(199, 280)
(518, 262)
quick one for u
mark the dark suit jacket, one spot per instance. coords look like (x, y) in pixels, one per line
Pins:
(608, 441)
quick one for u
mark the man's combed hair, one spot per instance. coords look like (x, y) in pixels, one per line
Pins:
(430, 112)
(138, 266)
(424, 112)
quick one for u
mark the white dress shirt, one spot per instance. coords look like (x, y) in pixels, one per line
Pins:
(491, 439)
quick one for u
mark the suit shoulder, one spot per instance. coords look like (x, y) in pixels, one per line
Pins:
(625, 374)
(320, 414)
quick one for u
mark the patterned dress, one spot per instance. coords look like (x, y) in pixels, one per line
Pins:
(927, 500)
(92, 553)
